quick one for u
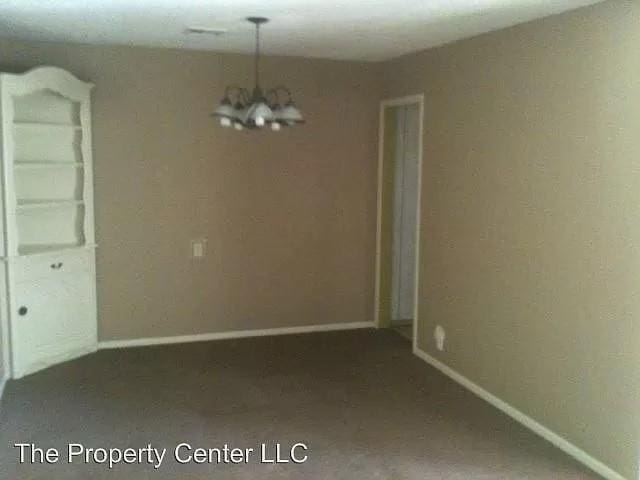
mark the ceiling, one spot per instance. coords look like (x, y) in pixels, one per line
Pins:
(369, 30)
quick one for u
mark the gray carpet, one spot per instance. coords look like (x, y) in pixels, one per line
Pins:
(366, 408)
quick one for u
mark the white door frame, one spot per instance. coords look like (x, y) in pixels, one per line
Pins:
(396, 102)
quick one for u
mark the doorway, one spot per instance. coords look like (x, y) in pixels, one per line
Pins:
(399, 175)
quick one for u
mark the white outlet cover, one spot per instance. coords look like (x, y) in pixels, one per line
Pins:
(440, 336)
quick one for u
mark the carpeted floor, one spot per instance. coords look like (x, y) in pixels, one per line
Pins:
(365, 406)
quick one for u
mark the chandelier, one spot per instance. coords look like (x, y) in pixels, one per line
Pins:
(274, 108)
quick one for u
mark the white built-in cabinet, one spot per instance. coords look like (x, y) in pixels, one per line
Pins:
(47, 237)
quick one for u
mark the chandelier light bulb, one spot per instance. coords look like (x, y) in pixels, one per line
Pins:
(275, 126)
(225, 122)
(238, 126)
(259, 121)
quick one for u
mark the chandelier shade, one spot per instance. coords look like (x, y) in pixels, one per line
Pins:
(240, 110)
(225, 110)
(259, 114)
(289, 114)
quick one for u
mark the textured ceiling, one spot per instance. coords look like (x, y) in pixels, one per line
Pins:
(341, 29)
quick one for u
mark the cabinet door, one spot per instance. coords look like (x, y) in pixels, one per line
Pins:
(53, 320)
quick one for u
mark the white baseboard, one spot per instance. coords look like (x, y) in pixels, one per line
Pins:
(563, 444)
(205, 337)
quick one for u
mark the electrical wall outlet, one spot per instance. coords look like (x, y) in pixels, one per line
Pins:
(440, 336)
(198, 248)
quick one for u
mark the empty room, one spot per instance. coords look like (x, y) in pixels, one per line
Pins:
(351, 239)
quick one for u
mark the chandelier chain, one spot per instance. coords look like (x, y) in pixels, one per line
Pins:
(257, 59)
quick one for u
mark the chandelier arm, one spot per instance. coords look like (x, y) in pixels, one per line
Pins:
(273, 93)
(282, 88)
(231, 90)
(243, 93)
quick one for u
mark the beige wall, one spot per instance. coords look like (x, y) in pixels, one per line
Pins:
(531, 219)
(289, 216)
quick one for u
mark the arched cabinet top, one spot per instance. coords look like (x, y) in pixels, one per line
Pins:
(49, 78)
(46, 189)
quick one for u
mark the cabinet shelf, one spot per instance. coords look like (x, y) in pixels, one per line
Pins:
(66, 126)
(38, 249)
(46, 165)
(34, 204)
(45, 249)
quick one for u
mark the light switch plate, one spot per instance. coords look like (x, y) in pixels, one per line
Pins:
(198, 248)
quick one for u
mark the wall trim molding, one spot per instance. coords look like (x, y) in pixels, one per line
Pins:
(3, 383)
(560, 442)
(417, 99)
(204, 337)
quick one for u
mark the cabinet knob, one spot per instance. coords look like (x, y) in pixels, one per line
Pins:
(56, 266)
(22, 311)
